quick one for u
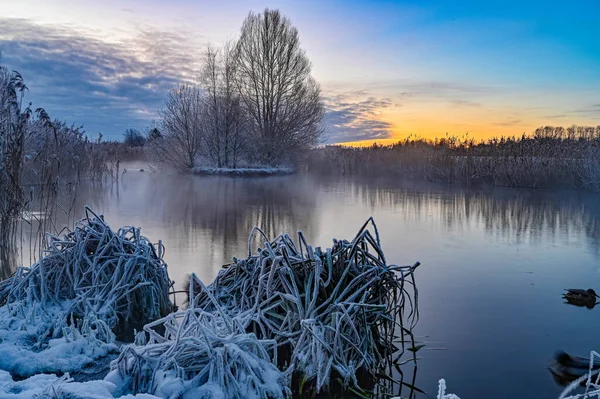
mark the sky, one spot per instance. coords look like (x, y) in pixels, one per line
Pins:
(387, 69)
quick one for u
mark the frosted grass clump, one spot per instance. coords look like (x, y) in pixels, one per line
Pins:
(64, 311)
(308, 319)
(199, 355)
(337, 314)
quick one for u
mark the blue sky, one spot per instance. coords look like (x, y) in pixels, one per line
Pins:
(387, 69)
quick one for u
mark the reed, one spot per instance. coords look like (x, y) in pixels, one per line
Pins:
(550, 157)
(40, 158)
(442, 391)
(13, 123)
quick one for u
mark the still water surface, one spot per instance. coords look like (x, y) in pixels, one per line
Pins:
(494, 261)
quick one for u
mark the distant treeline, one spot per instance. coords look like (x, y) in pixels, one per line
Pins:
(549, 157)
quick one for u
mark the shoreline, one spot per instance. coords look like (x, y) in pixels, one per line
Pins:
(242, 172)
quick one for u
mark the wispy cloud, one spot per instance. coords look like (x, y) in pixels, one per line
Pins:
(591, 111)
(438, 89)
(107, 86)
(464, 103)
(510, 122)
(352, 117)
(555, 116)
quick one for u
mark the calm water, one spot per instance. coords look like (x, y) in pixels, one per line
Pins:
(494, 261)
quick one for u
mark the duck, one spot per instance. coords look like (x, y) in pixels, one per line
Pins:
(581, 297)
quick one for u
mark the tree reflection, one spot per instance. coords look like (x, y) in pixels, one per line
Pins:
(520, 215)
(219, 212)
(226, 209)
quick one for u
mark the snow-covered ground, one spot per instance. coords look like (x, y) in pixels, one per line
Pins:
(51, 386)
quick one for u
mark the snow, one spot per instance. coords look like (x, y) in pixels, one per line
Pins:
(28, 346)
(62, 387)
(206, 391)
(26, 388)
(60, 356)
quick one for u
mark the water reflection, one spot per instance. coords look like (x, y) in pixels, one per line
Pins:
(203, 221)
(566, 369)
(590, 304)
(223, 210)
(228, 208)
(521, 215)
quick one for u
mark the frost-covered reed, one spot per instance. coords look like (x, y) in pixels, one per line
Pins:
(338, 317)
(442, 391)
(200, 354)
(90, 284)
(591, 382)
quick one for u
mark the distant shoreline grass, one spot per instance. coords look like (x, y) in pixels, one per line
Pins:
(551, 157)
(246, 172)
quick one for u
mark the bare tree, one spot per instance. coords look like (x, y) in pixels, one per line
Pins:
(273, 76)
(236, 117)
(225, 119)
(181, 127)
(211, 82)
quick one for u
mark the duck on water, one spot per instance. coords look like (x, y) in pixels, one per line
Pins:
(567, 368)
(581, 297)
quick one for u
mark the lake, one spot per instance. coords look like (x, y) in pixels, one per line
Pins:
(494, 261)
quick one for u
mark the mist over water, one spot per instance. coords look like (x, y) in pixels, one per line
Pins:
(494, 261)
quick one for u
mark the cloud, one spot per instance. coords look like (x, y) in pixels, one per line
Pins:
(111, 86)
(348, 118)
(555, 116)
(591, 111)
(106, 86)
(447, 90)
(464, 103)
(510, 122)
